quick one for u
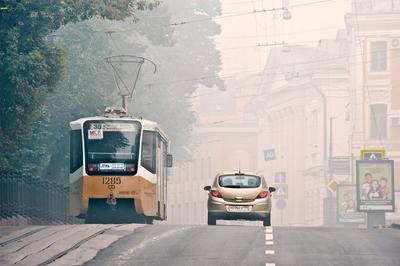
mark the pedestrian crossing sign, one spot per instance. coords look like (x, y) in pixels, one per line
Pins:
(281, 191)
(372, 155)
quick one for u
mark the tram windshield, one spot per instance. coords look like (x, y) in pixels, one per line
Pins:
(111, 147)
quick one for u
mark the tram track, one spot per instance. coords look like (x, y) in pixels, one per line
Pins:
(77, 245)
(7, 242)
(60, 245)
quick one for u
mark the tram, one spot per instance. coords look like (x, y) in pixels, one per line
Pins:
(118, 169)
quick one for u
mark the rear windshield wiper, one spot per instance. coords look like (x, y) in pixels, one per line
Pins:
(232, 186)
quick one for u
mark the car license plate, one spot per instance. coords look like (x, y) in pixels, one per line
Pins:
(238, 208)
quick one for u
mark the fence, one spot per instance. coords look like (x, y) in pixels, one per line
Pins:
(37, 200)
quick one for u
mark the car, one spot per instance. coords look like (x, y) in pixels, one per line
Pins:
(235, 196)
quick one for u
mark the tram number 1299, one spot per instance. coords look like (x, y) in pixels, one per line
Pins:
(111, 180)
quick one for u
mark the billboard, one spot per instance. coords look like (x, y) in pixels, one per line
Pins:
(347, 205)
(375, 185)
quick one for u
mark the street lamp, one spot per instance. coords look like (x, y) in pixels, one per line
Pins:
(286, 14)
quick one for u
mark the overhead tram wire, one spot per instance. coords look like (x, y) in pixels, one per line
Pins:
(222, 17)
(256, 28)
(232, 15)
(245, 13)
(257, 73)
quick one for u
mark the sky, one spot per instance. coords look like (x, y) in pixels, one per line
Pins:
(238, 42)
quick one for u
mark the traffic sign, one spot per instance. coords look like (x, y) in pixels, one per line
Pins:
(269, 155)
(372, 154)
(280, 177)
(340, 165)
(281, 204)
(281, 191)
(332, 186)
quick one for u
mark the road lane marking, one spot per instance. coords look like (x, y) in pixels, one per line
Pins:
(269, 252)
(268, 242)
(269, 236)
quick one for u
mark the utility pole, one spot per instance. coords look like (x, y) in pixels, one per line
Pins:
(330, 147)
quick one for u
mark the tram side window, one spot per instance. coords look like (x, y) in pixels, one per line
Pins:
(76, 154)
(149, 151)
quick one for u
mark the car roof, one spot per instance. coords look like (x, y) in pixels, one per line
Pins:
(239, 173)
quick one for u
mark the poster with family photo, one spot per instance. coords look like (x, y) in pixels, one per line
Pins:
(375, 189)
(347, 205)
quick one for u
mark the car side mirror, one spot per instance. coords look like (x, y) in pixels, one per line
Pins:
(170, 160)
(271, 189)
(207, 188)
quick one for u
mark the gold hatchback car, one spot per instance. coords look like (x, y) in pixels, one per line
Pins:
(235, 196)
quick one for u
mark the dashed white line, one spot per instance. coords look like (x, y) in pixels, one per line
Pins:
(268, 242)
(269, 236)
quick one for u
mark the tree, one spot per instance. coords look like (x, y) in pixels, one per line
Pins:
(30, 67)
(182, 56)
(186, 58)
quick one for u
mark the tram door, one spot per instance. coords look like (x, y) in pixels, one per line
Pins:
(161, 176)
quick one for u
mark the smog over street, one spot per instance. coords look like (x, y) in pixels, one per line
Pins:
(193, 132)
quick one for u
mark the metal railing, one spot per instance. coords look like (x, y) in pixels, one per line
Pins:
(38, 201)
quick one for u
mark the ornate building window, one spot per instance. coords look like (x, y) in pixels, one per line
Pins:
(378, 56)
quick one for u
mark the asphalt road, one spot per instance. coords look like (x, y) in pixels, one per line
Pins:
(162, 244)
(187, 245)
(333, 246)
(251, 245)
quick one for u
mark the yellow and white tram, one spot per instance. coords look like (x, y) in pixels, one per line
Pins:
(118, 169)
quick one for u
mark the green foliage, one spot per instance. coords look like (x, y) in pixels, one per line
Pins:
(30, 67)
(182, 54)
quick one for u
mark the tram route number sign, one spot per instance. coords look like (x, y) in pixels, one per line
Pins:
(94, 134)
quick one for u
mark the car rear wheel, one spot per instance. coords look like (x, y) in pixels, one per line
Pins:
(267, 220)
(211, 220)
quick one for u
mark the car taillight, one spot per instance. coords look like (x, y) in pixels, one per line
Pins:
(262, 194)
(92, 167)
(215, 193)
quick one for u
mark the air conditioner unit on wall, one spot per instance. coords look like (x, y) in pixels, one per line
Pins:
(395, 43)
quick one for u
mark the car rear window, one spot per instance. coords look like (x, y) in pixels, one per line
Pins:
(239, 181)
